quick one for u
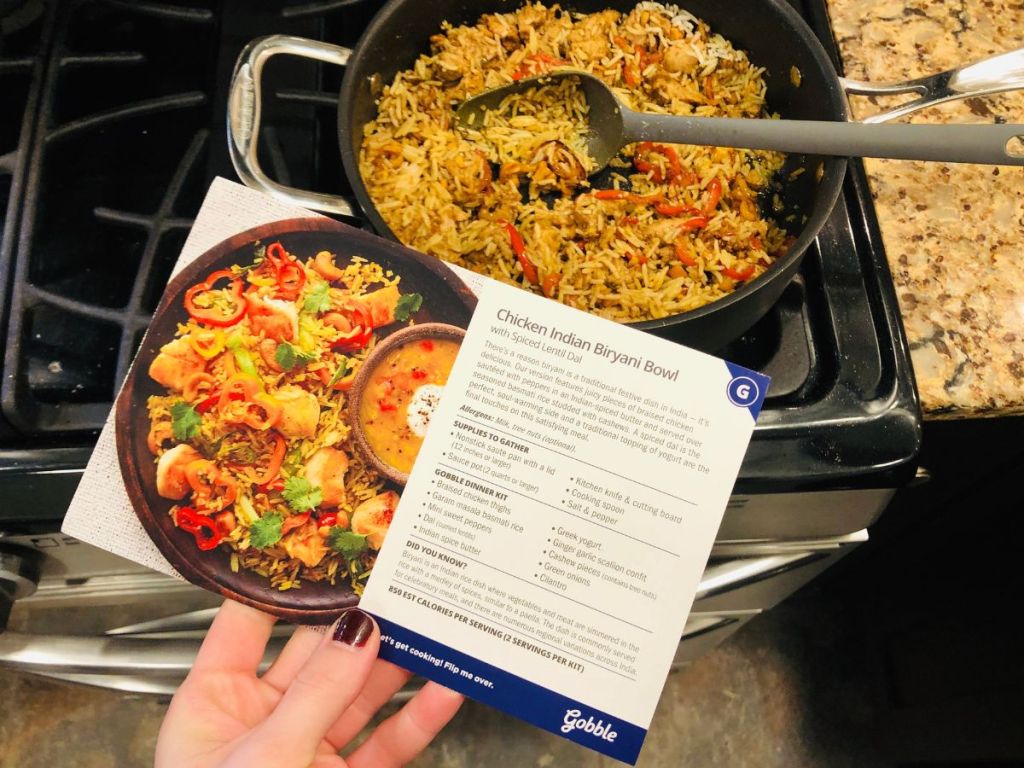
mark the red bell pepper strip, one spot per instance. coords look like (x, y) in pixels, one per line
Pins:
(621, 194)
(551, 283)
(611, 194)
(262, 412)
(290, 274)
(354, 340)
(274, 464)
(290, 279)
(739, 274)
(238, 387)
(519, 248)
(206, 532)
(675, 167)
(211, 315)
(329, 519)
(697, 222)
(358, 336)
(535, 58)
(205, 405)
(714, 196)
(682, 253)
(675, 210)
(207, 480)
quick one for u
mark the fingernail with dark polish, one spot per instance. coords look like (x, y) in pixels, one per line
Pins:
(354, 628)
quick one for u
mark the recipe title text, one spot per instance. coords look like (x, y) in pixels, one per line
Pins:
(574, 345)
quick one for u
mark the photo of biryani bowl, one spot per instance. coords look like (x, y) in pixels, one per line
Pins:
(244, 436)
(396, 393)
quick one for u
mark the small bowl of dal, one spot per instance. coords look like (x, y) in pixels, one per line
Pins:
(396, 392)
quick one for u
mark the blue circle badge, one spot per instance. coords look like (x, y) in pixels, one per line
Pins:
(742, 391)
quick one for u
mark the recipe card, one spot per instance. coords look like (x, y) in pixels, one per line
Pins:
(559, 516)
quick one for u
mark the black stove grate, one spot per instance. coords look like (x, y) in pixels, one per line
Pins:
(124, 115)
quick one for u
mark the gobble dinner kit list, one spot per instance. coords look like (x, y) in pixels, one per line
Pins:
(554, 529)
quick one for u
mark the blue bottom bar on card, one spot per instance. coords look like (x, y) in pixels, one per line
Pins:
(528, 701)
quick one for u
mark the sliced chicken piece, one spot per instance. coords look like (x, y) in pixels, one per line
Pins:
(276, 319)
(268, 351)
(382, 304)
(326, 468)
(300, 412)
(589, 37)
(679, 57)
(667, 89)
(171, 482)
(305, 545)
(373, 517)
(175, 363)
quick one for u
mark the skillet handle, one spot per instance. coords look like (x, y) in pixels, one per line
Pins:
(995, 74)
(244, 101)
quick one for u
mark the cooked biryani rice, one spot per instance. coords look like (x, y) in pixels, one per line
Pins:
(252, 438)
(674, 228)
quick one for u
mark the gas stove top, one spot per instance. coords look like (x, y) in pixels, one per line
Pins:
(112, 120)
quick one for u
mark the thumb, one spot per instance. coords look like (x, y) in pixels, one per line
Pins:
(323, 689)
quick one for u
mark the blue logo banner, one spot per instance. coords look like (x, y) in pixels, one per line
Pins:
(746, 388)
(528, 701)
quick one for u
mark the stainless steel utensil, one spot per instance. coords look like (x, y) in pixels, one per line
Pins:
(996, 74)
(612, 125)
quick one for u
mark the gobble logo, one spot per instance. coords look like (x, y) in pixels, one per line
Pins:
(574, 722)
(742, 391)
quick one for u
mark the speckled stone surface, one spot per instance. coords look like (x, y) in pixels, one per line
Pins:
(954, 234)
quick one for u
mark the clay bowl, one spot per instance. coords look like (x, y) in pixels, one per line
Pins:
(445, 299)
(395, 340)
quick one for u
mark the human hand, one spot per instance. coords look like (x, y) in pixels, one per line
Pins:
(317, 695)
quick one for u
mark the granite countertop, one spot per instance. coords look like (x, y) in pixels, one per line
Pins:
(954, 234)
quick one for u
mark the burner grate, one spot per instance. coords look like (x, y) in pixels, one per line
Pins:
(127, 134)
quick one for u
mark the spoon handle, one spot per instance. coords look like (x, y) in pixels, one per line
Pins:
(986, 144)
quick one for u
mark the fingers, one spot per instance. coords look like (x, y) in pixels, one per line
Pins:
(296, 652)
(404, 735)
(236, 641)
(324, 687)
(384, 682)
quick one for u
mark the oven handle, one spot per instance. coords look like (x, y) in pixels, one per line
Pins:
(737, 573)
(154, 656)
(245, 98)
(101, 656)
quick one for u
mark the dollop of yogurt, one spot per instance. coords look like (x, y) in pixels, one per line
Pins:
(421, 408)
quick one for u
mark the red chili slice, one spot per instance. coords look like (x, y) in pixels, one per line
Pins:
(212, 315)
(202, 527)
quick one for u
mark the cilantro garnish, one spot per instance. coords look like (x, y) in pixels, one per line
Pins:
(301, 494)
(407, 305)
(184, 421)
(318, 299)
(288, 356)
(340, 373)
(347, 543)
(266, 531)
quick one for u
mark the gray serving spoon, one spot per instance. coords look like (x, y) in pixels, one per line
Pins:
(612, 125)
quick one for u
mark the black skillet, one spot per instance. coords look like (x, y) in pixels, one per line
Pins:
(772, 33)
